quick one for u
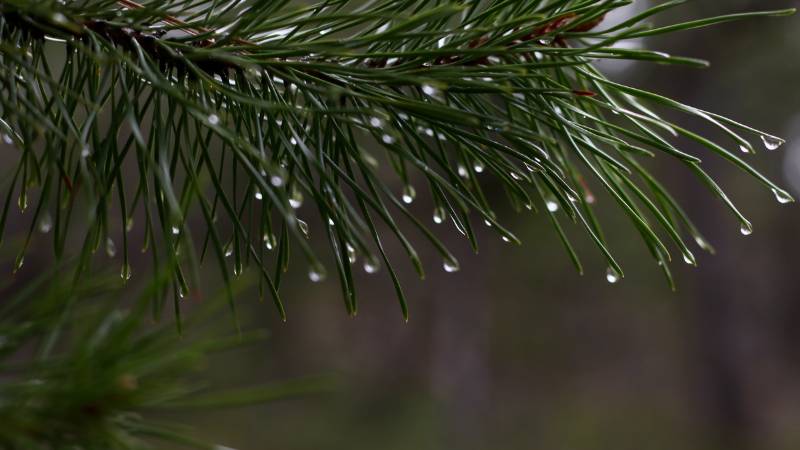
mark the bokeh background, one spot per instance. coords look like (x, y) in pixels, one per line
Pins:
(517, 351)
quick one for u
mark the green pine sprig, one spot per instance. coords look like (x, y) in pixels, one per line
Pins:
(255, 116)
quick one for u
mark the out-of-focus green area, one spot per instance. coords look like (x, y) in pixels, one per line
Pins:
(518, 351)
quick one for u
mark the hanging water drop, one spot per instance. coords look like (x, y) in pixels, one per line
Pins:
(176, 230)
(7, 139)
(450, 265)
(551, 206)
(213, 119)
(45, 223)
(371, 265)
(745, 149)
(276, 180)
(270, 241)
(331, 222)
(688, 258)
(22, 202)
(258, 195)
(505, 239)
(237, 269)
(439, 215)
(702, 243)
(129, 225)
(351, 253)
(772, 142)
(746, 228)
(612, 276)
(125, 272)
(478, 167)
(409, 193)
(316, 273)
(18, 263)
(430, 90)
(462, 171)
(388, 139)
(228, 251)
(296, 199)
(781, 196)
(85, 151)
(303, 227)
(111, 248)
(376, 122)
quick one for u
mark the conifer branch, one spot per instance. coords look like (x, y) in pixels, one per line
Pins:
(235, 112)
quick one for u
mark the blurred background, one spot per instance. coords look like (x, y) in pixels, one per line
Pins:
(518, 351)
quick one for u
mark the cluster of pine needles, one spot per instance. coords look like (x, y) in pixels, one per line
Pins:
(270, 122)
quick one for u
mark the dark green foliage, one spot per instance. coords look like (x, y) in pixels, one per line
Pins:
(234, 112)
(82, 373)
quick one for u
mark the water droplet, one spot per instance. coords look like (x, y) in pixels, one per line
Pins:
(351, 253)
(371, 265)
(612, 276)
(551, 206)
(316, 273)
(111, 248)
(430, 90)
(85, 152)
(296, 199)
(439, 215)
(376, 122)
(125, 272)
(213, 119)
(276, 180)
(409, 193)
(258, 195)
(331, 222)
(505, 239)
(129, 224)
(176, 230)
(388, 139)
(702, 243)
(746, 228)
(688, 258)
(228, 249)
(59, 18)
(462, 171)
(270, 241)
(237, 269)
(45, 223)
(487, 223)
(515, 176)
(782, 197)
(478, 167)
(22, 202)
(589, 198)
(745, 149)
(7, 139)
(303, 227)
(450, 265)
(18, 263)
(772, 142)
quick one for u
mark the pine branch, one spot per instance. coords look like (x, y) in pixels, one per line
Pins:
(235, 112)
(112, 373)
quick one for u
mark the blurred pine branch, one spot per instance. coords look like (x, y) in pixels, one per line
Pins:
(94, 375)
(238, 111)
